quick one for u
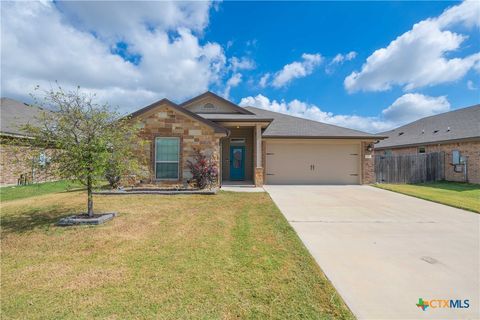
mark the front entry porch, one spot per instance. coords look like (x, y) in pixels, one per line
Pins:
(239, 161)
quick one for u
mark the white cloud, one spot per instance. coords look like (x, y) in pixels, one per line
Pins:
(243, 63)
(421, 56)
(407, 108)
(297, 69)
(264, 80)
(471, 85)
(412, 106)
(50, 48)
(234, 81)
(340, 58)
(127, 18)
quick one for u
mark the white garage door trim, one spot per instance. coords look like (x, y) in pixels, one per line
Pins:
(313, 161)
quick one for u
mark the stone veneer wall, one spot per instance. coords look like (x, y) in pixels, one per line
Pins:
(259, 177)
(471, 149)
(167, 122)
(368, 168)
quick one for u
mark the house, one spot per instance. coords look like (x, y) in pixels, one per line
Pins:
(456, 133)
(251, 145)
(16, 159)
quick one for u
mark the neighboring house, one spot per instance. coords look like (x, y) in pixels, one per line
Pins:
(251, 145)
(457, 133)
(16, 158)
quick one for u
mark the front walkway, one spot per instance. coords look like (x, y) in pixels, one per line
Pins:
(383, 250)
(240, 186)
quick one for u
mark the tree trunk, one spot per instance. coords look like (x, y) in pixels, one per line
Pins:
(89, 196)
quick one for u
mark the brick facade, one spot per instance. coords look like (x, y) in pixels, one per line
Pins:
(167, 122)
(16, 164)
(469, 149)
(367, 163)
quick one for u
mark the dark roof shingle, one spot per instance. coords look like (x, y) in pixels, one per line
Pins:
(453, 125)
(15, 114)
(285, 126)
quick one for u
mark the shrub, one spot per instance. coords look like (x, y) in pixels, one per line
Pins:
(203, 169)
(112, 174)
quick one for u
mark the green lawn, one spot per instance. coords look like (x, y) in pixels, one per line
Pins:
(31, 190)
(459, 195)
(228, 256)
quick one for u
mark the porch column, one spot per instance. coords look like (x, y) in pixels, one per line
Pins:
(258, 154)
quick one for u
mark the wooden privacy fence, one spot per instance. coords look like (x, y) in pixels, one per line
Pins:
(410, 168)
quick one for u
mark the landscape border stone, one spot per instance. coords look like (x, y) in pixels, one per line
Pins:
(74, 220)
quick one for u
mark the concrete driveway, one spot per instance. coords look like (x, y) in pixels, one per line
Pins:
(383, 251)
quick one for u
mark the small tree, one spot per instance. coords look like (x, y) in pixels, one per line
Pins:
(84, 138)
(203, 169)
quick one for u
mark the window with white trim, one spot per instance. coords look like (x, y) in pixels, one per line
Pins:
(167, 155)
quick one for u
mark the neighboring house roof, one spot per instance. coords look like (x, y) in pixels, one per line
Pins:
(285, 126)
(215, 96)
(15, 114)
(216, 127)
(454, 125)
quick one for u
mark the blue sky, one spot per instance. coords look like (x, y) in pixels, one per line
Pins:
(327, 28)
(365, 65)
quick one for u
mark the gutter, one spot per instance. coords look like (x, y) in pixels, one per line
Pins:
(427, 143)
(324, 137)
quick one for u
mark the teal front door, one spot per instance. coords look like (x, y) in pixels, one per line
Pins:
(237, 163)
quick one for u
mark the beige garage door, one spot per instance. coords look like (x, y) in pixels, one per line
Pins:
(311, 162)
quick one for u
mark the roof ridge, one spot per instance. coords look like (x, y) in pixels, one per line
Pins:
(207, 93)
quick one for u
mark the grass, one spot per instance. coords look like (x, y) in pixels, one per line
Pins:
(31, 190)
(460, 195)
(229, 256)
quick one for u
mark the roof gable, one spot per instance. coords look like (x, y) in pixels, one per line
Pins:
(209, 102)
(165, 102)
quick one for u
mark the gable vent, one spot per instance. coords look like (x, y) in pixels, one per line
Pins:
(209, 106)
